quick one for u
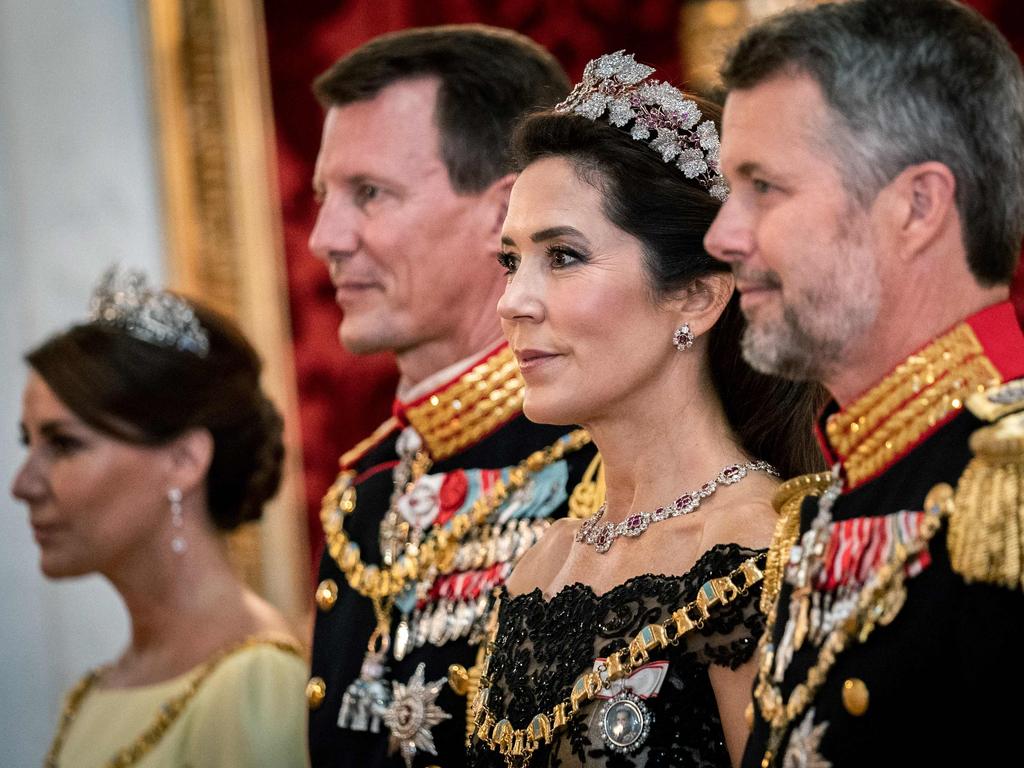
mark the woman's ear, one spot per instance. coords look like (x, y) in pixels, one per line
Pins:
(190, 455)
(703, 301)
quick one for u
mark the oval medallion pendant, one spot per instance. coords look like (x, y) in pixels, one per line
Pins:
(625, 723)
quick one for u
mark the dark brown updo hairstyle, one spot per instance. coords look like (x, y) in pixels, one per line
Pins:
(148, 394)
(669, 214)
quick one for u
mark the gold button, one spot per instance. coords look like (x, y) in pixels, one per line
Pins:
(326, 594)
(748, 715)
(855, 696)
(316, 690)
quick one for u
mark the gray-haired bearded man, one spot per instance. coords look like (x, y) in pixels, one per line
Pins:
(875, 151)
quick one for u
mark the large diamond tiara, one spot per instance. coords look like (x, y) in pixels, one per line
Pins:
(123, 299)
(662, 116)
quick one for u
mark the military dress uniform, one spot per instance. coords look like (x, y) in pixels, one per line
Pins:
(426, 518)
(896, 635)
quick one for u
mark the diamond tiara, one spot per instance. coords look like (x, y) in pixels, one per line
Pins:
(662, 116)
(123, 299)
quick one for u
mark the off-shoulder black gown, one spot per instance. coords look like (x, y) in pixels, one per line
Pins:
(542, 646)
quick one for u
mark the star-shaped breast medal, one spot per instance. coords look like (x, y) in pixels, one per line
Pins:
(412, 714)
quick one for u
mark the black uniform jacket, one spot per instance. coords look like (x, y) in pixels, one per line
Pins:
(472, 427)
(941, 683)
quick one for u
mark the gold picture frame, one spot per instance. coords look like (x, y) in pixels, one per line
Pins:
(222, 227)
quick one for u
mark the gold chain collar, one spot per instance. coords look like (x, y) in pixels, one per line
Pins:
(519, 744)
(167, 713)
(921, 393)
(436, 552)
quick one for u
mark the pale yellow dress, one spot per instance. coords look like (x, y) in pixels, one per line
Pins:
(249, 712)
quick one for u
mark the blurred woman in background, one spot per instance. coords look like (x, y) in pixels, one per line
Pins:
(148, 436)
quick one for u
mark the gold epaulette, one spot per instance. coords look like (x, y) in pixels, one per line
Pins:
(354, 454)
(986, 529)
(787, 501)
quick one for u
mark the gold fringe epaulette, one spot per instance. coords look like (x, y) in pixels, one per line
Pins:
(986, 529)
(787, 502)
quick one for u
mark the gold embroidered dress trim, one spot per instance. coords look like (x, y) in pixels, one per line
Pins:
(166, 715)
(470, 408)
(923, 392)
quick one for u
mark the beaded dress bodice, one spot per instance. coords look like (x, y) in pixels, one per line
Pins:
(542, 646)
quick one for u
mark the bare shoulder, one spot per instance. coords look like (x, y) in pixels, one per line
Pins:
(544, 559)
(749, 522)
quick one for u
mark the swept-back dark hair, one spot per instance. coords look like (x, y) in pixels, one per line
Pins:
(488, 78)
(148, 394)
(908, 82)
(669, 214)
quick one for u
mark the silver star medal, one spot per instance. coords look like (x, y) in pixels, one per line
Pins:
(804, 745)
(412, 714)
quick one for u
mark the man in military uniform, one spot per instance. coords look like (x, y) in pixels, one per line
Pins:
(431, 511)
(875, 152)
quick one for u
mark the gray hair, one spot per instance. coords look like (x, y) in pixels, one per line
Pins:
(911, 81)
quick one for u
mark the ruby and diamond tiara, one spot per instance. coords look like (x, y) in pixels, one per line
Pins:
(123, 299)
(662, 116)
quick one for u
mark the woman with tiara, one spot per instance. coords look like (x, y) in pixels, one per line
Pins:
(627, 638)
(147, 436)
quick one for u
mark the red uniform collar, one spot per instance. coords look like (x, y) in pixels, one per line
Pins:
(922, 394)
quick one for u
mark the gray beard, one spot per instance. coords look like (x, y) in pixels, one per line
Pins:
(789, 351)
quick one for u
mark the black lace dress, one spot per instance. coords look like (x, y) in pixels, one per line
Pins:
(543, 646)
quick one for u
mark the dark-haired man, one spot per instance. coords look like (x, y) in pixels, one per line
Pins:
(431, 511)
(875, 151)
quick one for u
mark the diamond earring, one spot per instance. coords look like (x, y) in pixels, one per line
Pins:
(683, 337)
(178, 543)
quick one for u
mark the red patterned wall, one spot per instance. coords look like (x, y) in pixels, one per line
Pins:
(342, 396)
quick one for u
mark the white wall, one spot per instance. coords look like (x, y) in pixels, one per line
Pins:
(77, 191)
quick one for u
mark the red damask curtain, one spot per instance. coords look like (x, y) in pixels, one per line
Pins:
(342, 396)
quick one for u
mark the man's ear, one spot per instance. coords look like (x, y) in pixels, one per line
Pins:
(920, 205)
(190, 455)
(703, 301)
(496, 197)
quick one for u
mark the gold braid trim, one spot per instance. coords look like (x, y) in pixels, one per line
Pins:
(787, 502)
(361, 448)
(925, 390)
(470, 408)
(986, 532)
